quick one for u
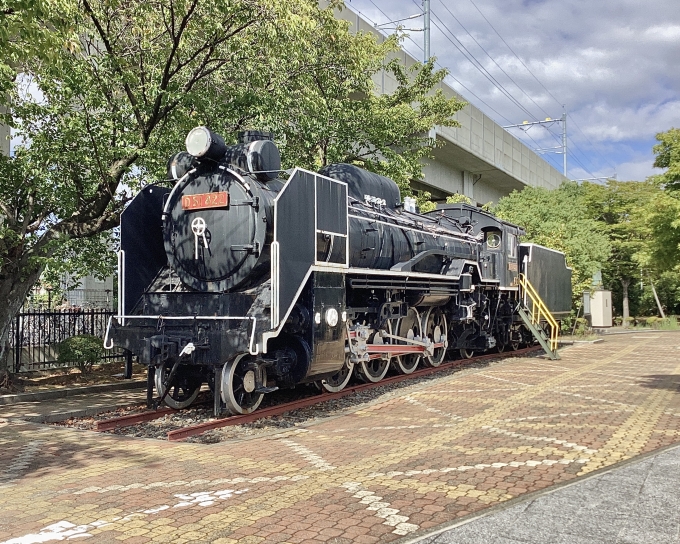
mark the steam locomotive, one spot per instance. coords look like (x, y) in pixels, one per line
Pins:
(251, 283)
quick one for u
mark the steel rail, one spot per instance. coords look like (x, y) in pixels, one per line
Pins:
(200, 428)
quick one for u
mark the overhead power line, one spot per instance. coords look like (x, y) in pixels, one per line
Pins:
(470, 57)
(493, 60)
(572, 122)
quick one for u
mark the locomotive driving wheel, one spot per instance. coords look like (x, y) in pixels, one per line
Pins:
(436, 330)
(239, 382)
(408, 327)
(339, 380)
(374, 370)
(183, 388)
(515, 339)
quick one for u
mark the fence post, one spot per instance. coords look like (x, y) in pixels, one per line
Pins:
(17, 345)
(128, 365)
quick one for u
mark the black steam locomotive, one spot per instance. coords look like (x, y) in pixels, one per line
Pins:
(250, 283)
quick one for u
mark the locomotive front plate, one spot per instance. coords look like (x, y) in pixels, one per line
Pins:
(204, 201)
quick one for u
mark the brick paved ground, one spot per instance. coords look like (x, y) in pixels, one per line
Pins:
(411, 461)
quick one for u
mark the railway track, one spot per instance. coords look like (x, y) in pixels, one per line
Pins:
(200, 428)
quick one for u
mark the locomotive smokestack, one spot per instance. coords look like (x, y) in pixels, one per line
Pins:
(248, 136)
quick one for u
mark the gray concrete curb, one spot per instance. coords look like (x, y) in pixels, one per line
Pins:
(69, 414)
(574, 342)
(69, 392)
(638, 331)
(423, 534)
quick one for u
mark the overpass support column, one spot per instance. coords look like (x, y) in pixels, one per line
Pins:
(468, 185)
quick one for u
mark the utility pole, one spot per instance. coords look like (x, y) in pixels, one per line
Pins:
(560, 149)
(564, 140)
(426, 29)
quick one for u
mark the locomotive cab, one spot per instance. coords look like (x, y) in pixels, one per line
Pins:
(499, 254)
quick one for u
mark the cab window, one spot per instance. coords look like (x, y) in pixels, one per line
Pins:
(512, 246)
(493, 240)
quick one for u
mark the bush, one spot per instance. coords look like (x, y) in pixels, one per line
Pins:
(81, 351)
(652, 322)
(669, 324)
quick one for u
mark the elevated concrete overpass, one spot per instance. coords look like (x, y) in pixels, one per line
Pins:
(479, 159)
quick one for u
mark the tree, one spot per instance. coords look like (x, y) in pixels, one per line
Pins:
(102, 93)
(667, 153)
(559, 219)
(642, 222)
(617, 205)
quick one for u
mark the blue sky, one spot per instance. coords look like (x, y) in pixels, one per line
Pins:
(615, 65)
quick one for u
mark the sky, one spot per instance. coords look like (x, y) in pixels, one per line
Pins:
(613, 65)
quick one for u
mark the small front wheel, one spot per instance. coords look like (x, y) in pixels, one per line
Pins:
(239, 382)
(183, 390)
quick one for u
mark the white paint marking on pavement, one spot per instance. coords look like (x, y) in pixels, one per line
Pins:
(409, 398)
(480, 466)
(379, 428)
(430, 392)
(525, 370)
(503, 379)
(553, 416)
(382, 509)
(205, 498)
(182, 483)
(557, 441)
(597, 385)
(62, 530)
(610, 375)
(593, 398)
(65, 530)
(308, 455)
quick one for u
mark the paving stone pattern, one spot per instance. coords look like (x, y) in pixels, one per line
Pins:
(638, 503)
(411, 461)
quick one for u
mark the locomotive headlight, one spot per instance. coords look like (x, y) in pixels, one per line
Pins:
(331, 317)
(203, 142)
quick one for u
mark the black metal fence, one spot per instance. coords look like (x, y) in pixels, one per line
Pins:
(35, 335)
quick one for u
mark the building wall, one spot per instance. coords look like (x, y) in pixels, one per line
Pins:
(479, 158)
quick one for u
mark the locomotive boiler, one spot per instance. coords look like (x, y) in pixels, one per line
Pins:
(248, 282)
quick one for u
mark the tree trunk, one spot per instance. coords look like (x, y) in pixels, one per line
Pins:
(626, 308)
(15, 286)
(658, 304)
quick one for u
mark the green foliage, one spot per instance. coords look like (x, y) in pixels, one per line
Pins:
(667, 153)
(82, 351)
(344, 120)
(456, 198)
(667, 286)
(559, 219)
(642, 221)
(101, 93)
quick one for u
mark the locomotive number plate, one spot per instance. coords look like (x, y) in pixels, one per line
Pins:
(205, 200)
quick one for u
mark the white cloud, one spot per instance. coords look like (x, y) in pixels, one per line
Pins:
(615, 64)
(637, 171)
